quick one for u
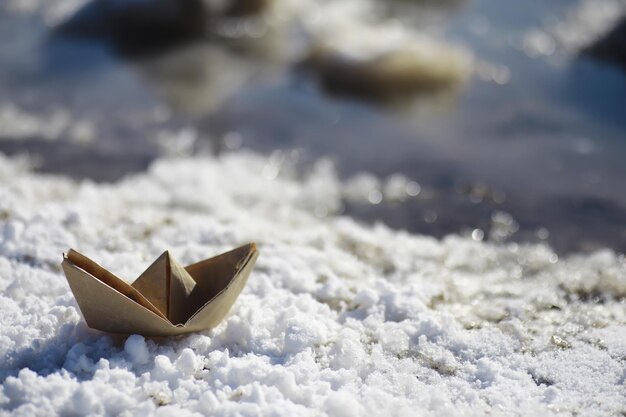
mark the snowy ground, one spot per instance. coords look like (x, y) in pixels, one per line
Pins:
(337, 318)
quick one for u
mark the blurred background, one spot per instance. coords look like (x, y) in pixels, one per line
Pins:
(498, 119)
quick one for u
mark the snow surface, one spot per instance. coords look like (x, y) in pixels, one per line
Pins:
(337, 318)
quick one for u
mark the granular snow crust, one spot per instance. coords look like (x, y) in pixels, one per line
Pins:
(337, 319)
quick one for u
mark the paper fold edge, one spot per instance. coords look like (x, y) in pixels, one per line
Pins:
(214, 310)
(104, 308)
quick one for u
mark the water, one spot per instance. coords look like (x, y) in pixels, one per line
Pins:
(531, 148)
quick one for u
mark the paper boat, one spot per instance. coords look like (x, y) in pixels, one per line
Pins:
(167, 299)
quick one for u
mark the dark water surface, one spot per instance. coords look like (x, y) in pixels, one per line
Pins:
(538, 155)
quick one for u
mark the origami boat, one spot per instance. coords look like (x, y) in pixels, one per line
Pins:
(167, 299)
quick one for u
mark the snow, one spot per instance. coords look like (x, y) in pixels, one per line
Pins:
(360, 29)
(337, 318)
(588, 21)
(136, 348)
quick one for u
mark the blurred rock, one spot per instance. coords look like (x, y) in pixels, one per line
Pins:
(387, 76)
(245, 8)
(144, 26)
(139, 25)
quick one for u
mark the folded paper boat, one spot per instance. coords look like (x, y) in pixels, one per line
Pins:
(167, 299)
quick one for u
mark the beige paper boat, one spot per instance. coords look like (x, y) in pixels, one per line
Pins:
(167, 299)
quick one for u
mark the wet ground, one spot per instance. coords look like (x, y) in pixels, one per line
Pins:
(530, 148)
